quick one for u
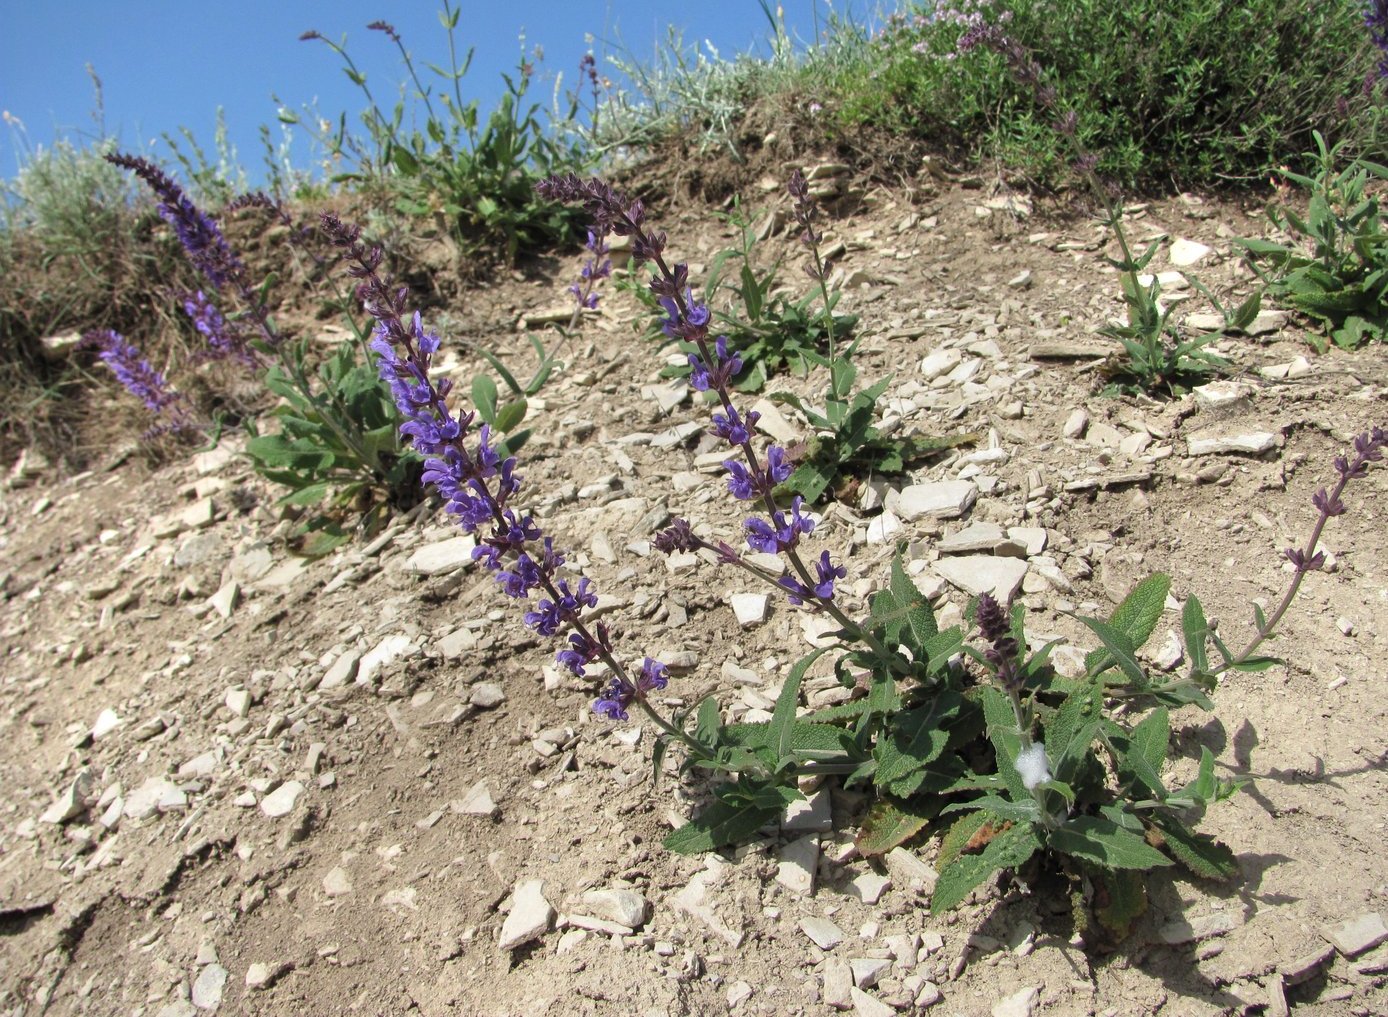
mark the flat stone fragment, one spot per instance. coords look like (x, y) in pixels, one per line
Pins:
(796, 868)
(386, 652)
(838, 983)
(200, 766)
(868, 971)
(773, 422)
(198, 515)
(822, 932)
(693, 901)
(908, 870)
(1358, 935)
(337, 883)
(869, 887)
(281, 801)
(620, 905)
(1305, 967)
(106, 722)
(980, 573)
(178, 1008)
(1249, 444)
(530, 916)
(881, 529)
(342, 671)
(1221, 395)
(238, 701)
(1184, 253)
(1032, 538)
(945, 499)
(939, 363)
(749, 608)
(487, 695)
(73, 801)
(442, 557)
(156, 794)
(869, 1006)
(1019, 1004)
(226, 598)
(738, 993)
(477, 802)
(809, 815)
(974, 537)
(208, 986)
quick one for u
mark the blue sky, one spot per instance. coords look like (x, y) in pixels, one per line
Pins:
(167, 65)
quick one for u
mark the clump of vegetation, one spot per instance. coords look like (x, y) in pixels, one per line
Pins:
(1192, 91)
(1335, 269)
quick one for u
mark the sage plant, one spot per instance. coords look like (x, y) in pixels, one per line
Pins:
(478, 486)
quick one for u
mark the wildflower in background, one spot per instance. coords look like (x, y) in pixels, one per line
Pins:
(1376, 21)
(137, 375)
(197, 231)
(712, 368)
(477, 484)
(225, 339)
(595, 269)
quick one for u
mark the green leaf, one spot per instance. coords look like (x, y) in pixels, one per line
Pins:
(890, 823)
(1118, 648)
(707, 722)
(1018, 812)
(720, 824)
(508, 418)
(1195, 631)
(1201, 855)
(1120, 899)
(1147, 745)
(484, 397)
(1104, 842)
(1007, 850)
(1137, 615)
(312, 494)
(914, 739)
(919, 618)
(1071, 730)
(1001, 722)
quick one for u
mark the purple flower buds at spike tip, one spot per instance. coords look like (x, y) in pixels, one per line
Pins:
(197, 231)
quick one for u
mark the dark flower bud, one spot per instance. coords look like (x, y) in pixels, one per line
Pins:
(676, 537)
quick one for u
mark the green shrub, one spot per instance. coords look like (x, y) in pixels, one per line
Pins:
(1192, 91)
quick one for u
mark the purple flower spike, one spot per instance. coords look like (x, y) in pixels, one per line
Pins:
(197, 231)
(133, 371)
(731, 427)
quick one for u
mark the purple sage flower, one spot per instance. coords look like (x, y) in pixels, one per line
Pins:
(782, 533)
(621, 693)
(825, 572)
(135, 372)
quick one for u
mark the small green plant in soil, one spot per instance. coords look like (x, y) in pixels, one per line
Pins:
(1335, 270)
(848, 445)
(770, 331)
(475, 173)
